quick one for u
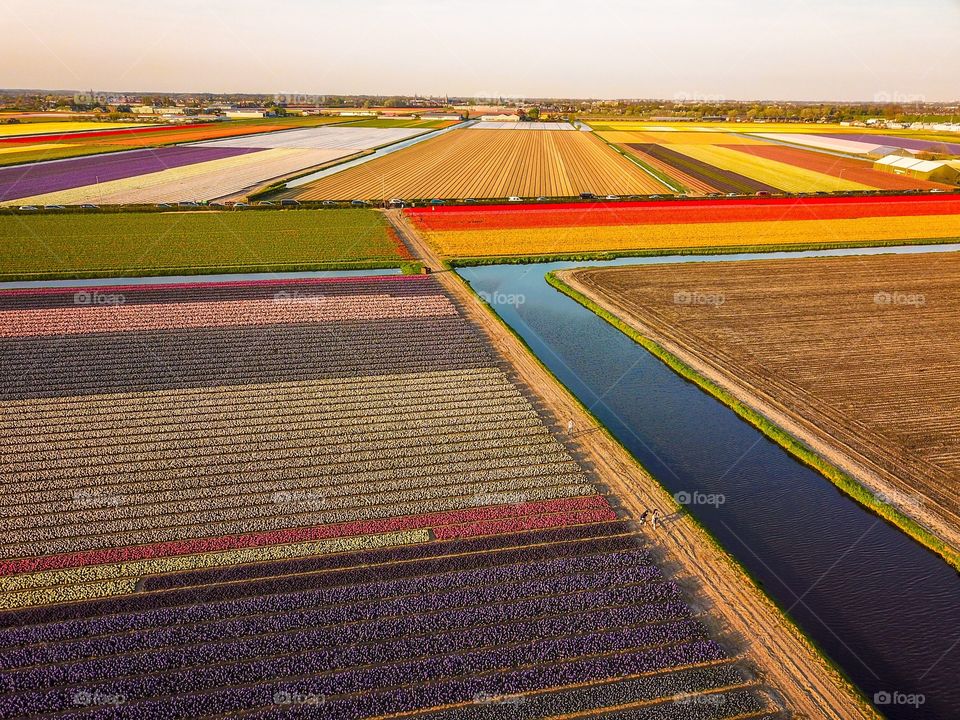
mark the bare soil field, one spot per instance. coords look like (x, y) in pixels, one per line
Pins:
(855, 356)
(487, 164)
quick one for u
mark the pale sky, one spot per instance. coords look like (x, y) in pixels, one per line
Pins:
(712, 49)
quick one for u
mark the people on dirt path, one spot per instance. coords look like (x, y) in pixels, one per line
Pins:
(570, 426)
(657, 517)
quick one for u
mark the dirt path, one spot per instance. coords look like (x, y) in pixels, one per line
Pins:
(785, 660)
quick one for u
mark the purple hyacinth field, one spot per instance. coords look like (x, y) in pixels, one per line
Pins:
(27, 180)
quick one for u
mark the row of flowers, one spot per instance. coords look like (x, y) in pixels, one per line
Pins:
(100, 581)
(115, 315)
(358, 601)
(337, 633)
(416, 660)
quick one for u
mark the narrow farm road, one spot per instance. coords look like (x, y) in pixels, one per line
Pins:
(786, 661)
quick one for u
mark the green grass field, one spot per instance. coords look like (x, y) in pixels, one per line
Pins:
(48, 246)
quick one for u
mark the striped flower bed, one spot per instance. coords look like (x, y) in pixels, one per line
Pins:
(39, 179)
(294, 496)
(606, 227)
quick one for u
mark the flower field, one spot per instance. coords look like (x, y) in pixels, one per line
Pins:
(783, 176)
(495, 125)
(458, 231)
(923, 145)
(841, 144)
(860, 171)
(399, 122)
(358, 511)
(493, 163)
(328, 138)
(59, 128)
(706, 160)
(707, 177)
(58, 145)
(133, 244)
(201, 171)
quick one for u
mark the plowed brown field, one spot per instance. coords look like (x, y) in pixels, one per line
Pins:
(493, 163)
(855, 355)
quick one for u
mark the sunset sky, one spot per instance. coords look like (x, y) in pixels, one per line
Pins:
(714, 49)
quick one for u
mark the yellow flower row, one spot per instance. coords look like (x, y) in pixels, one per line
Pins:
(95, 581)
(771, 172)
(45, 128)
(541, 241)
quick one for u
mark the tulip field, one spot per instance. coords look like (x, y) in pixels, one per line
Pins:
(54, 141)
(199, 171)
(314, 496)
(705, 160)
(171, 243)
(638, 227)
(469, 163)
(66, 126)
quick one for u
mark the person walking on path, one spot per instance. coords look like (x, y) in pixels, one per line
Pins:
(643, 517)
(656, 518)
(570, 426)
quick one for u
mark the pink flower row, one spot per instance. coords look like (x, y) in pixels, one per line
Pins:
(116, 316)
(473, 521)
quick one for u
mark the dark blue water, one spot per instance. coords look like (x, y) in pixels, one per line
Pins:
(886, 610)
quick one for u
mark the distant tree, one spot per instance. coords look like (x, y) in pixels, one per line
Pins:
(533, 113)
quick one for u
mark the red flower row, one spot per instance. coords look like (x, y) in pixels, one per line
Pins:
(575, 510)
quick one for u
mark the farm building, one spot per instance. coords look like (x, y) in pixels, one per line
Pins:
(882, 151)
(934, 170)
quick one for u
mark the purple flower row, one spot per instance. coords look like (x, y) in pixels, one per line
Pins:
(142, 361)
(581, 587)
(405, 286)
(270, 595)
(507, 681)
(495, 702)
(34, 179)
(213, 686)
(337, 650)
